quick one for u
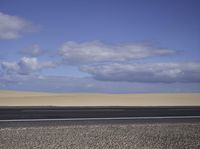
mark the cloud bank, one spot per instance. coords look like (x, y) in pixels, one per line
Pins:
(70, 84)
(146, 73)
(117, 63)
(105, 62)
(32, 51)
(12, 27)
(99, 52)
(25, 66)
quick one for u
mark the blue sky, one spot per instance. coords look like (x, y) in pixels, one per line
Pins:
(115, 46)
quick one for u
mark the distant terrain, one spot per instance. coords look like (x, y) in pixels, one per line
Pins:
(16, 98)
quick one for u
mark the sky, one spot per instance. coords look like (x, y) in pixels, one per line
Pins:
(103, 46)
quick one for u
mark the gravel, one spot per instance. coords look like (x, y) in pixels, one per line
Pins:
(99, 135)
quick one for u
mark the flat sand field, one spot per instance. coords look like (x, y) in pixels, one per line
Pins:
(15, 98)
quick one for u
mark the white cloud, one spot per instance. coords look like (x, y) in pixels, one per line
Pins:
(32, 51)
(25, 66)
(28, 65)
(96, 52)
(12, 27)
(9, 67)
(154, 72)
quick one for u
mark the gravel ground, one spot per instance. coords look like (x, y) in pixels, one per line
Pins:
(97, 135)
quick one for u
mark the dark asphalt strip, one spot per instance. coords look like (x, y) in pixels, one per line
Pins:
(14, 113)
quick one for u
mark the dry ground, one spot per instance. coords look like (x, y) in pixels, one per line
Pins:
(13, 98)
(100, 135)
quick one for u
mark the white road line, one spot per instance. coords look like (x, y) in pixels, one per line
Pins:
(112, 118)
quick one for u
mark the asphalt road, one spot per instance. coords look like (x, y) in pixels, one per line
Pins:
(24, 113)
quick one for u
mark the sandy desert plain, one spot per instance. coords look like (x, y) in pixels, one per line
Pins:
(19, 98)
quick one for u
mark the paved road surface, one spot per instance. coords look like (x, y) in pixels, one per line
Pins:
(10, 113)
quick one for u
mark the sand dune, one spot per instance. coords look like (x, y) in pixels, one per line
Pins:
(14, 98)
